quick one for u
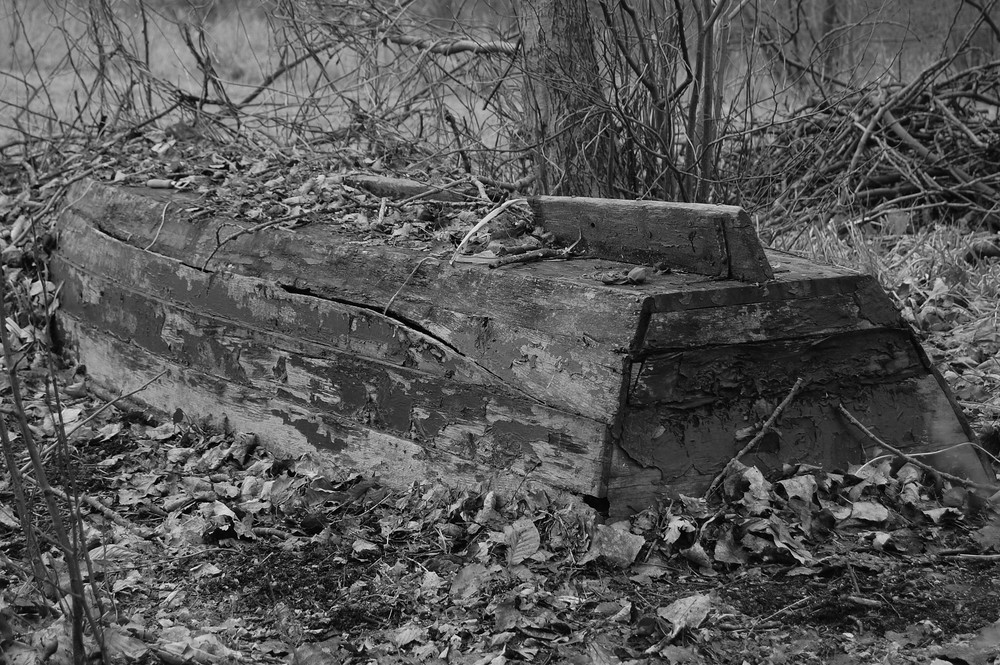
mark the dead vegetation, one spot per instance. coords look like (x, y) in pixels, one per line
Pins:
(193, 547)
(902, 157)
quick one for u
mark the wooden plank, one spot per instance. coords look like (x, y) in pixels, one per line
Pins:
(684, 408)
(712, 240)
(747, 260)
(363, 368)
(291, 414)
(719, 374)
(96, 263)
(665, 452)
(643, 232)
(291, 430)
(516, 324)
(707, 239)
(751, 322)
(789, 286)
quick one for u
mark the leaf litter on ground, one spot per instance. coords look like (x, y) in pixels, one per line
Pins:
(233, 554)
(226, 553)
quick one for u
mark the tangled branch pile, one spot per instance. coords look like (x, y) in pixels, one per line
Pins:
(927, 149)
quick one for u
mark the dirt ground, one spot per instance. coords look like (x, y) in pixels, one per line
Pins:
(223, 554)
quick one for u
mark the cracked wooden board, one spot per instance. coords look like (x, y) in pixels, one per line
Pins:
(389, 360)
(363, 371)
(525, 326)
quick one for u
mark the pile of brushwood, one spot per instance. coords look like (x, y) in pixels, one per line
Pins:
(928, 148)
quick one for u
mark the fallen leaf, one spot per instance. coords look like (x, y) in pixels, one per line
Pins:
(206, 569)
(802, 487)
(200, 649)
(364, 548)
(8, 519)
(469, 580)
(612, 277)
(616, 546)
(120, 645)
(506, 616)
(937, 515)
(697, 555)
(676, 528)
(522, 540)
(727, 551)
(988, 538)
(686, 612)
(637, 275)
(869, 511)
(408, 634)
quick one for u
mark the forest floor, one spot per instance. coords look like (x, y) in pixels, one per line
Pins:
(203, 548)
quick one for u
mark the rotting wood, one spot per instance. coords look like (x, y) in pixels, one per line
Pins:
(338, 446)
(967, 462)
(765, 429)
(525, 326)
(665, 451)
(723, 373)
(712, 240)
(751, 322)
(387, 360)
(350, 362)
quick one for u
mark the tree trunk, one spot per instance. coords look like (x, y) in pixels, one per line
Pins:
(832, 40)
(563, 99)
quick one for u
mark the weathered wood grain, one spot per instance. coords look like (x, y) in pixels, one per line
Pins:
(684, 408)
(747, 260)
(524, 326)
(720, 374)
(389, 360)
(712, 240)
(339, 446)
(440, 402)
(96, 265)
(665, 451)
(789, 284)
(707, 239)
(751, 322)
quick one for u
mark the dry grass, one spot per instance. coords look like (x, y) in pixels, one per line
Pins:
(953, 304)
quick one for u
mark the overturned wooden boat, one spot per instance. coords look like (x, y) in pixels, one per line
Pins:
(391, 361)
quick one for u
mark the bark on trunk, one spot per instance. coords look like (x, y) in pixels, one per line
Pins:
(563, 98)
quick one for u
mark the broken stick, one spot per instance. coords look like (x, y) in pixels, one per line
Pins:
(765, 428)
(913, 460)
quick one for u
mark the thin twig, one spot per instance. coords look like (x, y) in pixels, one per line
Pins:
(528, 257)
(111, 403)
(913, 460)
(765, 428)
(432, 189)
(99, 507)
(93, 415)
(251, 230)
(163, 218)
(405, 281)
(483, 222)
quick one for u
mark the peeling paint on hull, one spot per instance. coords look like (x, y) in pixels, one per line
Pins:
(537, 375)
